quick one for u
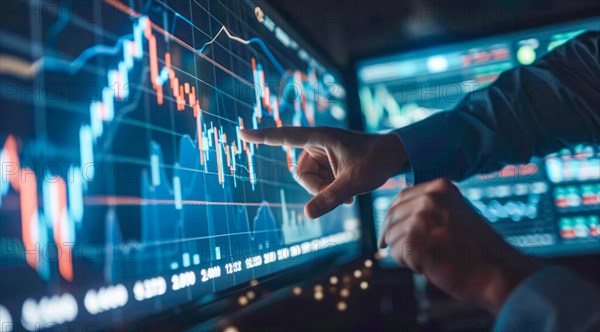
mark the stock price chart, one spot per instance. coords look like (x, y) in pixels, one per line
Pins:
(125, 188)
(549, 206)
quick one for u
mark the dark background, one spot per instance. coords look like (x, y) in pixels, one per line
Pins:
(348, 30)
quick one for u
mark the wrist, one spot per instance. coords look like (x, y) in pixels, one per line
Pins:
(395, 154)
(503, 279)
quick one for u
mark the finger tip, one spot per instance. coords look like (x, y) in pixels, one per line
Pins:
(251, 136)
(243, 132)
(381, 242)
(310, 211)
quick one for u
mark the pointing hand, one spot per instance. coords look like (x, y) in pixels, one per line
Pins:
(336, 164)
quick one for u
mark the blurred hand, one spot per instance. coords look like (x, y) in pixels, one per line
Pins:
(336, 164)
(433, 230)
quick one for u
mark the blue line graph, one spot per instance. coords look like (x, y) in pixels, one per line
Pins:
(268, 53)
(254, 40)
(52, 63)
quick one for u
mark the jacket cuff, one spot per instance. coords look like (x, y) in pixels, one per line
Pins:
(429, 150)
(553, 299)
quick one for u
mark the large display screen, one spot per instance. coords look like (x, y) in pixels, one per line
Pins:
(125, 188)
(550, 206)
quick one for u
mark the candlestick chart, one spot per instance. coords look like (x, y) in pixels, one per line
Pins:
(121, 158)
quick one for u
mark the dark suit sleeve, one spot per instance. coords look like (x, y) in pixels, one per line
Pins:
(529, 111)
(552, 299)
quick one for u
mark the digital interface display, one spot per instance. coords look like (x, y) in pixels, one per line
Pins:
(550, 206)
(125, 188)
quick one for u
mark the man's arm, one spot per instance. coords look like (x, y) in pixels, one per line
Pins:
(431, 219)
(529, 111)
(553, 299)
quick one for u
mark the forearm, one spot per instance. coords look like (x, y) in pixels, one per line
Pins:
(553, 299)
(528, 111)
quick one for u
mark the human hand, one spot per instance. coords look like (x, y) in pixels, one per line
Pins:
(433, 230)
(336, 164)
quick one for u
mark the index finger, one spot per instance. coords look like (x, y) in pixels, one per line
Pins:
(296, 137)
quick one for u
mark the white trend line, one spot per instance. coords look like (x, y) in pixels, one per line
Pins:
(223, 28)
